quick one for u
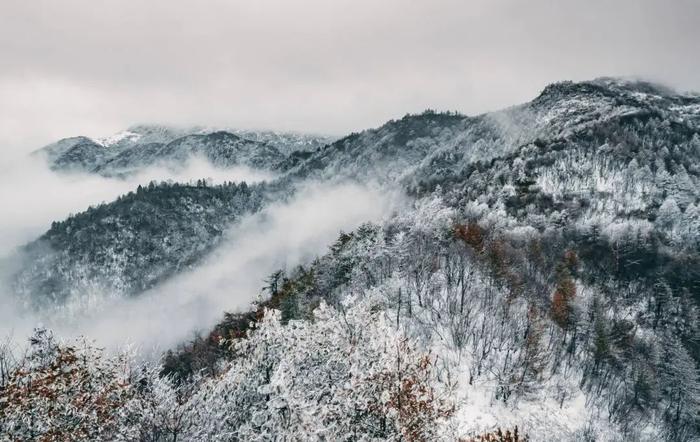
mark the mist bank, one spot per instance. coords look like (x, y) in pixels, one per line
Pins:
(281, 236)
(32, 195)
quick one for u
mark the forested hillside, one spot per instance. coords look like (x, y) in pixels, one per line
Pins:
(542, 284)
(127, 246)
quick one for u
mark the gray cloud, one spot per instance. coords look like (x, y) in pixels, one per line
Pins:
(80, 66)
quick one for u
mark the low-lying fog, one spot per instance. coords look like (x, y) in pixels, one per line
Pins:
(282, 235)
(32, 195)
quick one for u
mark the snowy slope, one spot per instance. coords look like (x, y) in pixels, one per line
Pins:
(545, 276)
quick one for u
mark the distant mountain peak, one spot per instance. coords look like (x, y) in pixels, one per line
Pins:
(118, 138)
(610, 87)
(145, 145)
(632, 84)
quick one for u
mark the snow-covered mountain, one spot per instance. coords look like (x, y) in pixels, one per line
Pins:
(545, 279)
(145, 146)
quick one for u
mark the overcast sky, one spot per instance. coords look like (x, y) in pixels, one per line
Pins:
(332, 66)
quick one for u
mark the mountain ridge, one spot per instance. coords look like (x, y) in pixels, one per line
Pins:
(545, 277)
(495, 158)
(146, 145)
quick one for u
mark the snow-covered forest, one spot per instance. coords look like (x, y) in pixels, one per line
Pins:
(537, 278)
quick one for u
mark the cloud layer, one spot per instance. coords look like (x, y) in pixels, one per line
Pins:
(80, 66)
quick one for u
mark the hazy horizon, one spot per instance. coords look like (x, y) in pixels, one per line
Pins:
(79, 67)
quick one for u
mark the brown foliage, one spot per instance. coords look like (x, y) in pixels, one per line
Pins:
(496, 253)
(471, 234)
(411, 397)
(571, 260)
(68, 398)
(416, 404)
(564, 295)
(560, 309)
